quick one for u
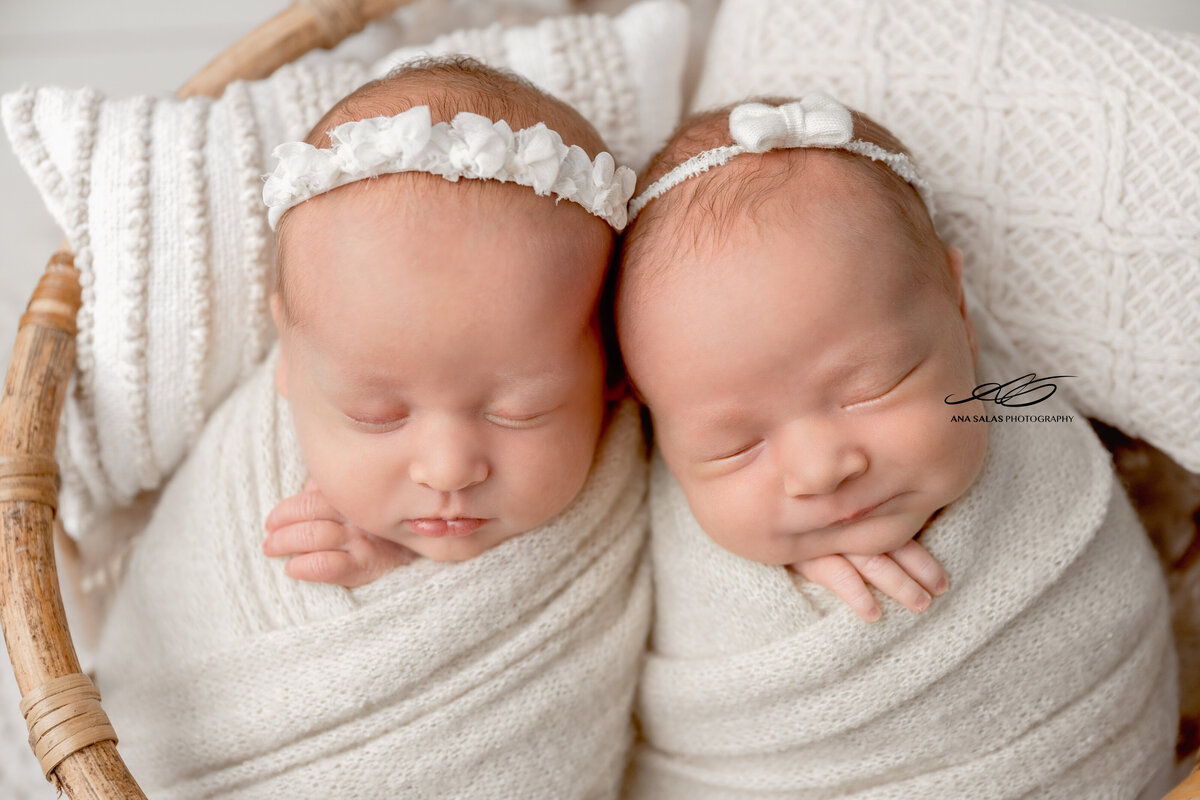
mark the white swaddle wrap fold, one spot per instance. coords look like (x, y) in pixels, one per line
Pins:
(1047, 670)
(507, 676)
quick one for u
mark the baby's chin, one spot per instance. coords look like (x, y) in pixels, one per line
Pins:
(871, 536)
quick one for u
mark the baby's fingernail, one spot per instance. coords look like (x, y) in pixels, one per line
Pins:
(873, 614)
(941, 586)
(922, 602)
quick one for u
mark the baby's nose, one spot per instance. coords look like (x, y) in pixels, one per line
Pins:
(449, 462)
(444, 475)
(816, 458)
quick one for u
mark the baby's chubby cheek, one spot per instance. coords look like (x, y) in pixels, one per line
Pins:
(737, 512)
(963, 456)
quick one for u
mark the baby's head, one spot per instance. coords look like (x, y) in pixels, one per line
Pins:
(794, 323)
(440, 348)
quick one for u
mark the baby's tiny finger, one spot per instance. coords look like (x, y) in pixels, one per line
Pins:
(837, 575)
(325, 566)
(305, 537)
(886, 575)
(303, 507)
(287, 512)
(914, 559)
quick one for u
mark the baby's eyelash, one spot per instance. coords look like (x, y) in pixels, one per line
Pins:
(376, 425)
(739, 452)
(517, 423)
(886, 392)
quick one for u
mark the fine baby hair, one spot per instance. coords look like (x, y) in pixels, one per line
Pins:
(518, 133)
(816, 120)
(787, 127)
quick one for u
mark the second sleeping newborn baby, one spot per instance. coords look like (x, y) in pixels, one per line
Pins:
(797, 329)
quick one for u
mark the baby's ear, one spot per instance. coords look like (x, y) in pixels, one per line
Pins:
(281, 367)
(954, 262)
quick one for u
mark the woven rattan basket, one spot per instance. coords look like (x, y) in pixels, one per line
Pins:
(69, 731)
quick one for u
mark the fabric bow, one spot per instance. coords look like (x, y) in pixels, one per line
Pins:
(816, 120)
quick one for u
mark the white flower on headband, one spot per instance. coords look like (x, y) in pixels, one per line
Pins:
(469, 146)
(368, 145)
(815, 120)
(540, 155)
(301, 172)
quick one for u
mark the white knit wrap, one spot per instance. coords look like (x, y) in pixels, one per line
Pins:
(1047, 670)
(507, 676)
(469, 146)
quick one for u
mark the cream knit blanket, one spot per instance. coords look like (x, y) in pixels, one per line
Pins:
(508, 676)
(1047, 670)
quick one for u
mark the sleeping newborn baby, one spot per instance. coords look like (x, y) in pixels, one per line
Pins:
(800, 335)
(443, 237)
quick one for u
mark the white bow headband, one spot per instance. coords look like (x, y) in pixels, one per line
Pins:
(816, 120)
(469, 146)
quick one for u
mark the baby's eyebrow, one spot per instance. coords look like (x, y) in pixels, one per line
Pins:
(867, 356)
(716, 420)
(547, 380)
(530, 389)
(341, 382)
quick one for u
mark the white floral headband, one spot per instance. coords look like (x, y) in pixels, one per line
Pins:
(816, 120)
(469, 146)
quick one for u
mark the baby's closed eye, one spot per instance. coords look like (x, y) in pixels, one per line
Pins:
(518, 421)
(876, 391)
(376, 423)
(737, 452)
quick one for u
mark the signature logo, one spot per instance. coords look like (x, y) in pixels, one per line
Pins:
(1014, 393)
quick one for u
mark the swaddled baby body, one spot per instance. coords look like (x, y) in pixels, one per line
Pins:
(798, 332)
(441, 378)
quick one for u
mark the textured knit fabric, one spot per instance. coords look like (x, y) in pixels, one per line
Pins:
(510, 675)
(161, 200)
(1046, 671)
(1062, 151)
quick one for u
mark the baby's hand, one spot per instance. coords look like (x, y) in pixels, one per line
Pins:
(325, 548)
(908, 575)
